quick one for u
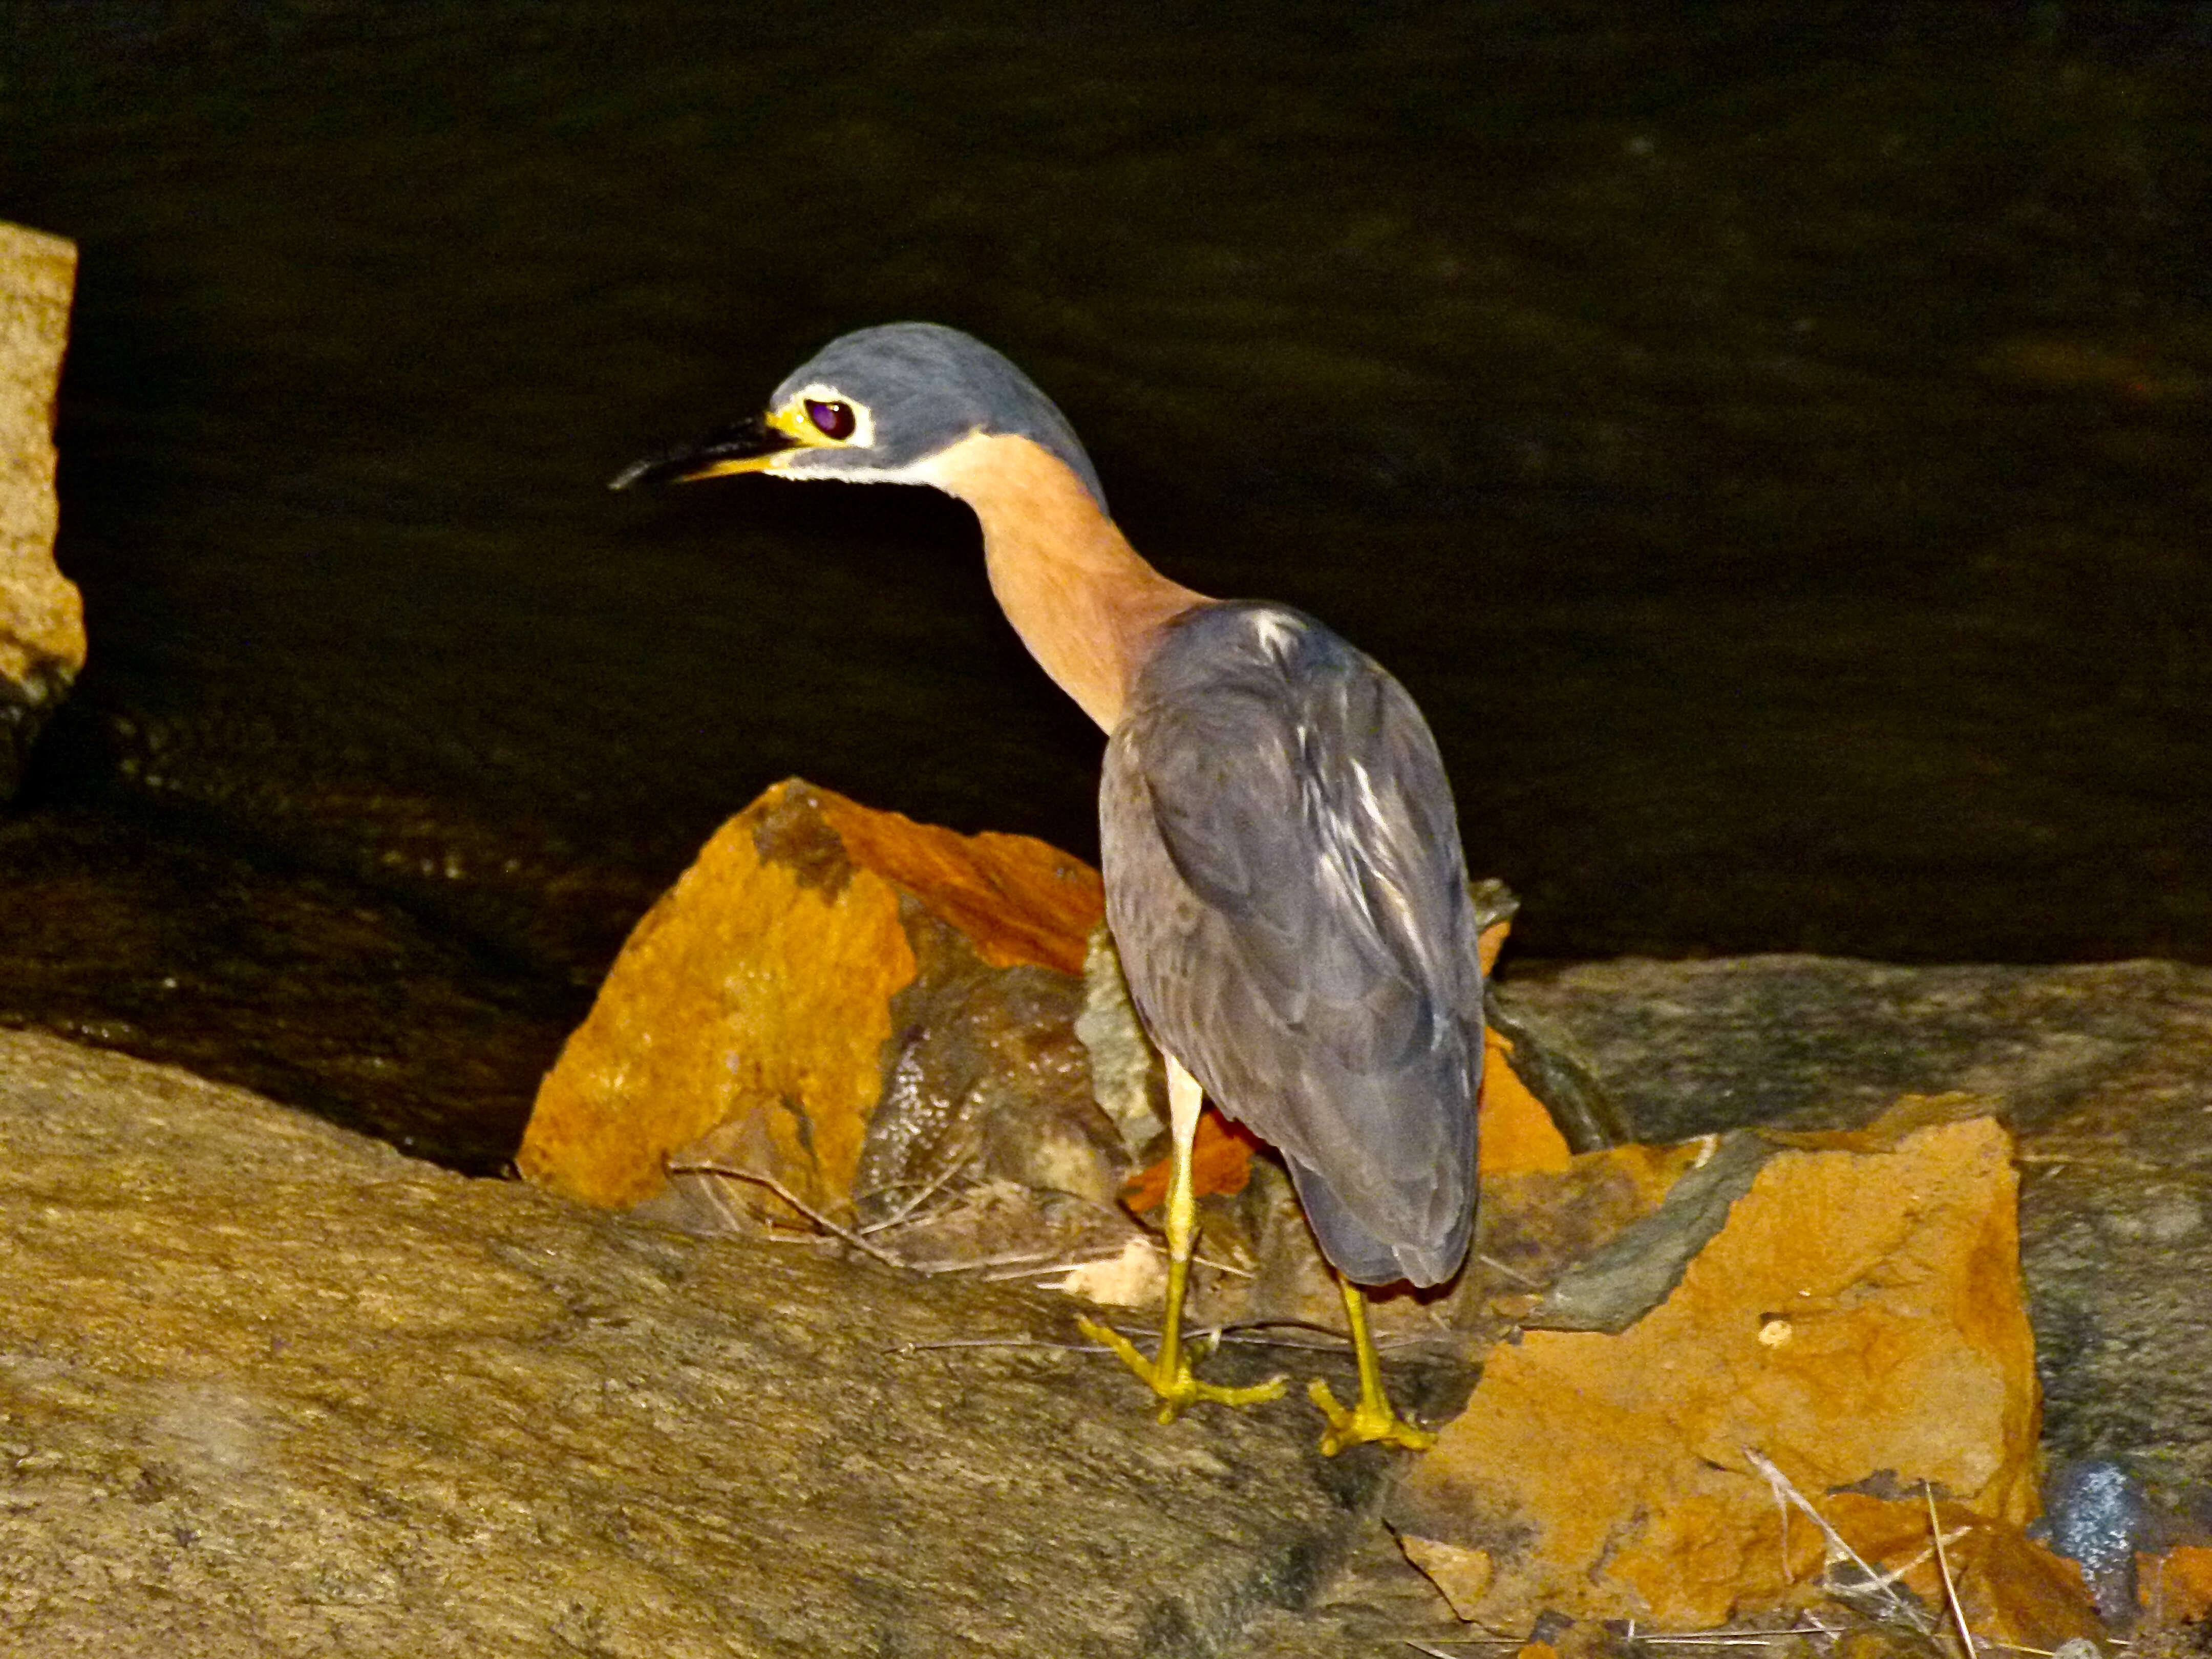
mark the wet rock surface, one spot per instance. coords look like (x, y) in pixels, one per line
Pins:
(41, 617)
(268, 1387)
(2104, 1072)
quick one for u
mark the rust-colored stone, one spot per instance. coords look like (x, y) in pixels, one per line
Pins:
(2176, 1588)
(1220, 1161)
(756, 999)
(1518, 1133)
(42, 641)
(1013, 898)
(1858, 1316)
(2013, 1592)
(1463, 1575)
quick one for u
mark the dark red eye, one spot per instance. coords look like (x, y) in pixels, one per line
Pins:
(831, 420)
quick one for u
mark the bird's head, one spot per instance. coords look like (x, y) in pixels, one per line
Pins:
(879, 405)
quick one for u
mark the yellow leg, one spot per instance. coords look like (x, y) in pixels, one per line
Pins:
(1373, 1418)
(1169, 1374)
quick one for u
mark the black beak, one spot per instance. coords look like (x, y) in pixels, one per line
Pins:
(731, 449)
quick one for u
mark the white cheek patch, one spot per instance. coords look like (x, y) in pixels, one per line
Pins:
(832, 461)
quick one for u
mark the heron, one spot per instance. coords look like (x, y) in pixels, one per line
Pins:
(1283, 876)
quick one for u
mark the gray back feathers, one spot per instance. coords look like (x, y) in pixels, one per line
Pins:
(1284, 879)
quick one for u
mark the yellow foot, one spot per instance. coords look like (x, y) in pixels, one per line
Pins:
(1372, 1419)
(1177, 1388)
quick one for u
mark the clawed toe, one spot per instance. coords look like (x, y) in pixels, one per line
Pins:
(1170, 1378)
(1373, 1419)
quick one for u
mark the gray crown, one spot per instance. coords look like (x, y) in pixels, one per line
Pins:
(928, 386)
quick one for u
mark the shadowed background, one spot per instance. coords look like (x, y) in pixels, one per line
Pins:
(1769, 440)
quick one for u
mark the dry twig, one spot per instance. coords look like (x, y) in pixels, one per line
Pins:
(957, 1166)
(1062, 1265)
(1943, 1565)
(999, 1342)
(1496, 1265)
(860, 1242)
(1247, 1335)
(1733, 1639)
(1885, 1583)
(785, 1192)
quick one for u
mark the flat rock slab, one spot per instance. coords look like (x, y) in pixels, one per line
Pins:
(2102, 1071)
(270, 1388)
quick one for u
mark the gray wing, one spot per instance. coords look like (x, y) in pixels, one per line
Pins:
(1284, 882)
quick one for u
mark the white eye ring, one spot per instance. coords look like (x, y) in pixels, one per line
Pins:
(863, 434)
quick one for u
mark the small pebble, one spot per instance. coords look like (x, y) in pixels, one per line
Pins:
(2097, 1514)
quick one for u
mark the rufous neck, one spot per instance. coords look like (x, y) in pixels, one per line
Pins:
(1088, 607)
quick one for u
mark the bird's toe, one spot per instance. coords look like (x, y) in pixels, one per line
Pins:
(1374, 1418)
(1171, 1379)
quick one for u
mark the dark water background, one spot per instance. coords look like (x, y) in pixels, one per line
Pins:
(1770, 439)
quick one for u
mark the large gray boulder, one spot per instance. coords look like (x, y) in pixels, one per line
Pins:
(270, 1388)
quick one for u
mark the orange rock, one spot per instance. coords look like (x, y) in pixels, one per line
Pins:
(1014, 899)
(1858, 1316)
(1220, 1161)
(2013, 1592)
(1518, 1133)
(42, 637)
(2176, 1588)
(756, 998)
(1463, 1575)
(1493, 941)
